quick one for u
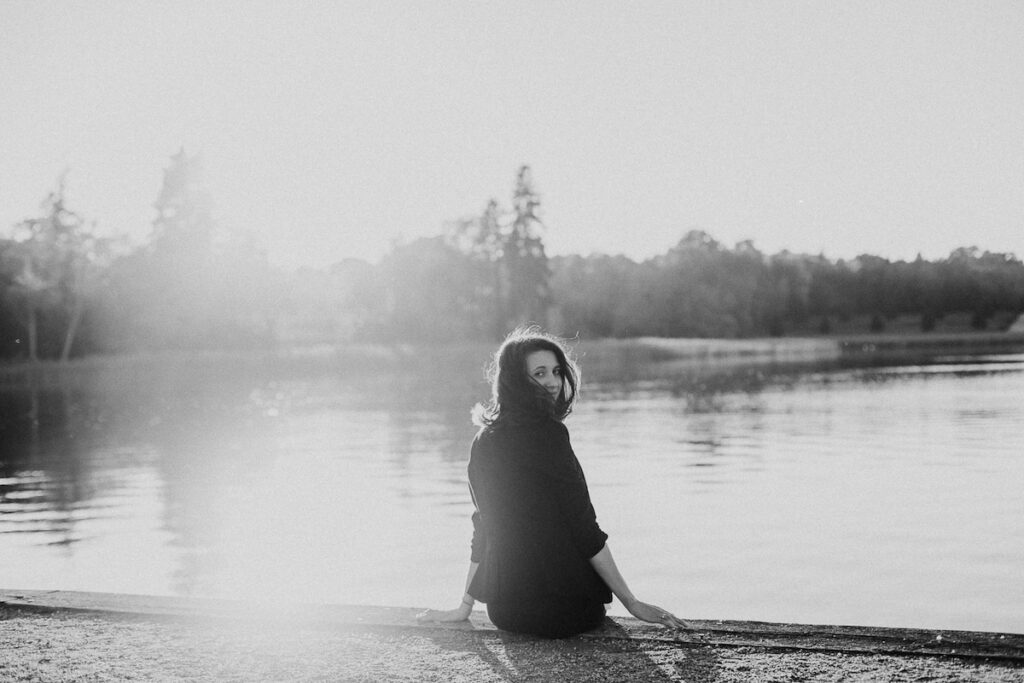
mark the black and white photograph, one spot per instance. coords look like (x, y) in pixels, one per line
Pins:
(551, 340)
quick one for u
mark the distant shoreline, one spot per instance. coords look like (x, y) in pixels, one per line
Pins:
(661, 349)
(826, 347)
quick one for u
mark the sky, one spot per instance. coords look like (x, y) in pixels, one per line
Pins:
(334, 129)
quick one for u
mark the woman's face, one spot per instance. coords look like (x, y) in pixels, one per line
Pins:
(543, 368)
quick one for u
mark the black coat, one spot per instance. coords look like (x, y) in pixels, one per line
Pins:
(534, 528)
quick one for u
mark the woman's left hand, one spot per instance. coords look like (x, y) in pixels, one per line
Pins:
(655, 615)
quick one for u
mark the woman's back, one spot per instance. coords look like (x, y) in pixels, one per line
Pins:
(535, 529)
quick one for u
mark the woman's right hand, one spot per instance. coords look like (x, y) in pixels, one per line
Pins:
(655, 615)
(460, 613)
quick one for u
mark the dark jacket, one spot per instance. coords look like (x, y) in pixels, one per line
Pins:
(534, 528)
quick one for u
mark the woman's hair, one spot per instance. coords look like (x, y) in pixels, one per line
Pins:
(515, 397)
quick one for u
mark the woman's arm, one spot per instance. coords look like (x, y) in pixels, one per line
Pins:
(460, 613)
(604, 565)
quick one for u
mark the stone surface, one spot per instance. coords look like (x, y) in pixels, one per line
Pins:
(64, 636)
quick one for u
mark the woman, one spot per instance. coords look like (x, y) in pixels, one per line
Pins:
(539, 559)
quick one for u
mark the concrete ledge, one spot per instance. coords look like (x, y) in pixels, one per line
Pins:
(968, 645)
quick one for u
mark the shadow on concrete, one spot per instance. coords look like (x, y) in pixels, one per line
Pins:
(605, 654)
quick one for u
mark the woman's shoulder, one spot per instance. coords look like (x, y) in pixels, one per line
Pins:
(553, 429)
(521, 435)
(489, 438)
(519, 428)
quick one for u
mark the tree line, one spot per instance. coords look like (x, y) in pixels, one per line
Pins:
(700, 288)
(66, 291)
(190, 286)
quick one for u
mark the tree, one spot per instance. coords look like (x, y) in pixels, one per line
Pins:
(161, 293)
(482, 240)
(429, 297)
(191, 286)
(180, 260)
(512, 276)
(529, 293)
(26, 292)
(54, 265)
(184, 224)
(597, 295)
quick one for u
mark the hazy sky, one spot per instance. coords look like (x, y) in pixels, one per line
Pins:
(330, 128)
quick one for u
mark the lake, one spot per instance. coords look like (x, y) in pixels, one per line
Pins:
(839, 492)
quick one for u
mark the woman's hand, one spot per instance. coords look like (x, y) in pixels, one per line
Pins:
(460, 613)
(655, 615)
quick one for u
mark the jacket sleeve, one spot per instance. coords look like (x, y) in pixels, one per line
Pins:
(573, 495)
(479, 543)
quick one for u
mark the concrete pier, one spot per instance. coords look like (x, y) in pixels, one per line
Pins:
(67, 636)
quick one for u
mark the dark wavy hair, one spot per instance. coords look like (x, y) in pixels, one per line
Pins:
(515, 397)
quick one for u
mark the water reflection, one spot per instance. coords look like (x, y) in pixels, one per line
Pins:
(343, 481)
(43, 476)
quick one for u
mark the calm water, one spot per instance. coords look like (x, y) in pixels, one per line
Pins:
(875, 496)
